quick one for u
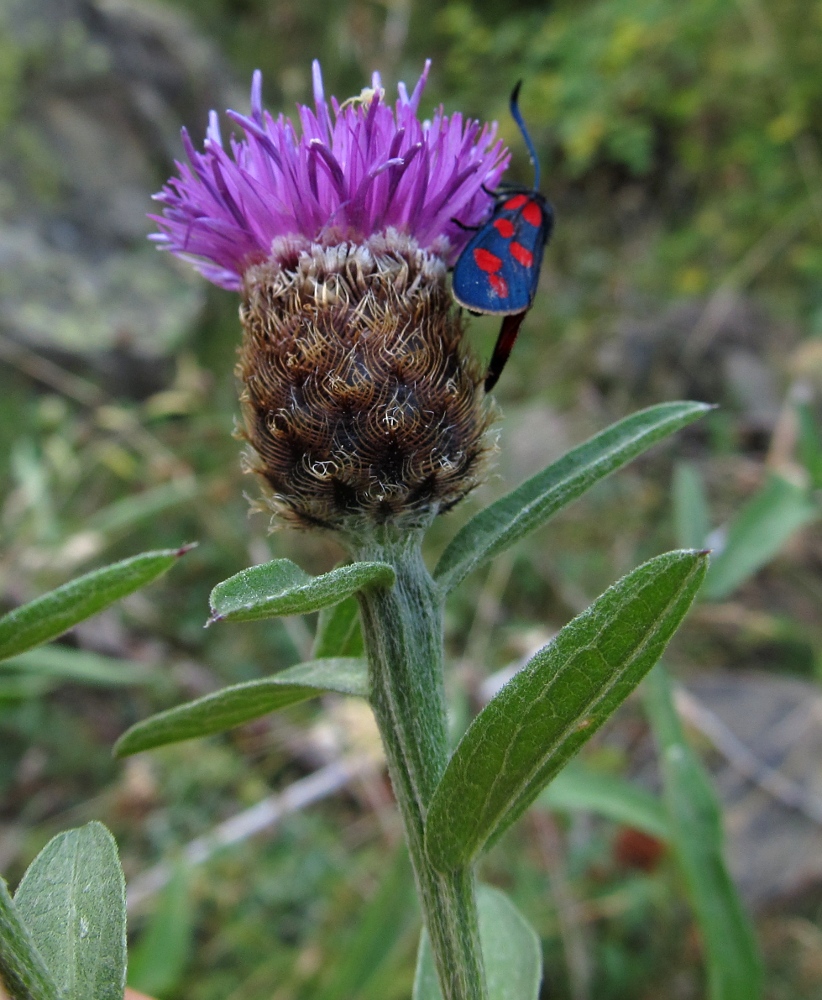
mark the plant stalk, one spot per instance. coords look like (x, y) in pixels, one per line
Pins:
(402, 628)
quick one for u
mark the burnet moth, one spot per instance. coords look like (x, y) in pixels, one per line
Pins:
(498, 271)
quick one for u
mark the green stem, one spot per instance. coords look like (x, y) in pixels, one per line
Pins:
(402, 628)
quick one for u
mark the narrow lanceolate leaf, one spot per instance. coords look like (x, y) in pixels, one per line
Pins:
(530, 505)
(242, 702)
(543, 715)
(760, 530)
(54, 613)
(510, 949)
(356, 967)
(64, 663)
(733, 965)
(692, 522)
(124, 514)
(25, 687)
(22, 968)
(73, 901)
(282, 588)
(580, 789)
(157, 965)
(338, 631)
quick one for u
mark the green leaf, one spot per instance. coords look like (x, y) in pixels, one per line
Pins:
(757, 534)
(541, 718)
(22, 968)
(733, 963)
(65, 663)
(240, 703)
(59, 610)
(530, 505)
(578, 789)
(23, 688)
(157, 964)
(358, 963)
(282, 588)
(510, 948)
(125, 513)
(809, 445)
(73, 901)
(691, 519)
(338, 631)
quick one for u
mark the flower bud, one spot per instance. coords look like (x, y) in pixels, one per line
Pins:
(359, 399)
(360, 402)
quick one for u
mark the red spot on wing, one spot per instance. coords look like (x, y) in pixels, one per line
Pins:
(522, 254)
(487, 261)
(516, 202)
(504, 227)
(532, 214)
(499, 285)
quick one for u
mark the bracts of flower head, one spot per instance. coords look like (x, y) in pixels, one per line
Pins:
(360, 401)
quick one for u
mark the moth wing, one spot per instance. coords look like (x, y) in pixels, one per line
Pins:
(532, 230)
(498, 271)
(483, 272)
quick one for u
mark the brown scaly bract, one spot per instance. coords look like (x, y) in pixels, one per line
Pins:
(359, 400)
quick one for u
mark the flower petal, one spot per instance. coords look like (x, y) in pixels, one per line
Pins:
(368, 169)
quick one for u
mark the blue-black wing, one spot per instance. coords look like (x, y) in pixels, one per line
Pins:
(498, 271)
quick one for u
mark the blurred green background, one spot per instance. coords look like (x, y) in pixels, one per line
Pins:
(681, 145)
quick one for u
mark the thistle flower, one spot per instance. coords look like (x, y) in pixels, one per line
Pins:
(360, 401)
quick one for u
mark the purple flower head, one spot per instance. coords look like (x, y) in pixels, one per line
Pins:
(353, 173)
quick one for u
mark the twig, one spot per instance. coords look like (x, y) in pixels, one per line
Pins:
(258, 818)
(569, 914)
(790, 793)
(744, 760)
(53, 375)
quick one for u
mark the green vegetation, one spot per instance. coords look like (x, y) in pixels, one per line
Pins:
(682, 147)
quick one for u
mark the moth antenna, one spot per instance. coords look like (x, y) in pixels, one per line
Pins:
(515, 114)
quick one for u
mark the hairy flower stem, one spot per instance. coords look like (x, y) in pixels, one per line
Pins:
(403, 638)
